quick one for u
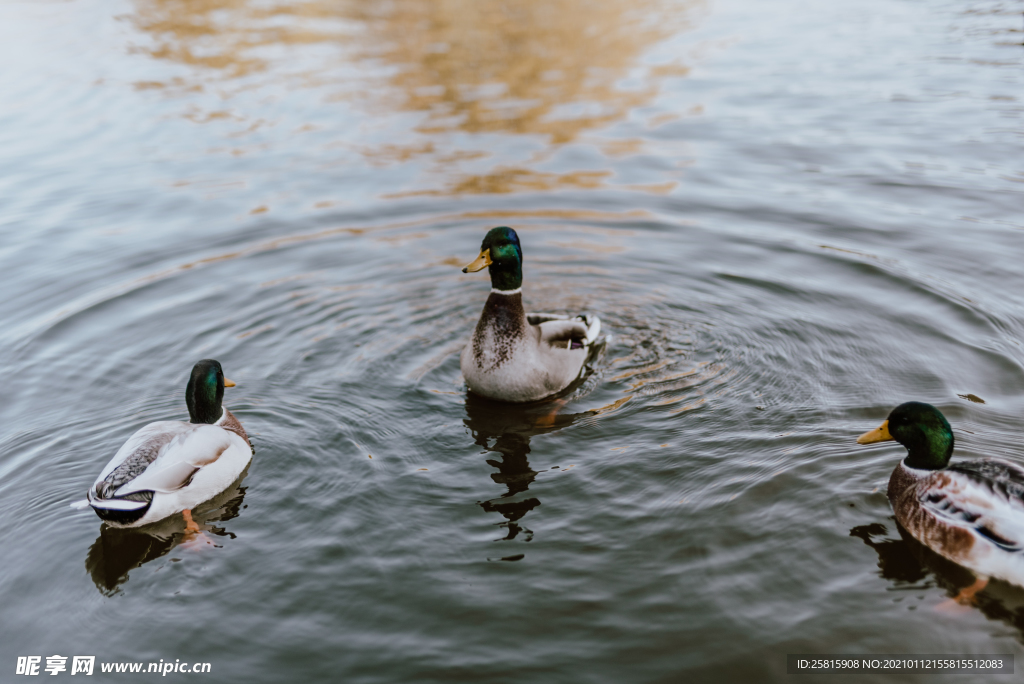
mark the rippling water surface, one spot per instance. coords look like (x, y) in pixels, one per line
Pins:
(790, 215)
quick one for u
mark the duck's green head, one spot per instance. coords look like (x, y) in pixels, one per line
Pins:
(205, 391)
(922, 429)
(503, 257)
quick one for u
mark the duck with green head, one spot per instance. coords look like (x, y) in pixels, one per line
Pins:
(970, 512)
(515, 356)
(171, 466)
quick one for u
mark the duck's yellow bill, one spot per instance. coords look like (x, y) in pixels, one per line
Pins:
(481, 262)
(229, 383)
(879, 434)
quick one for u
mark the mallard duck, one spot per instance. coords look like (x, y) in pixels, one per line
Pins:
(515, 356)
(171, 466)
(970, 512)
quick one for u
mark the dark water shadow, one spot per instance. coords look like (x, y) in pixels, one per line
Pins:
(506, 430)
(909, 564)
(118, 551)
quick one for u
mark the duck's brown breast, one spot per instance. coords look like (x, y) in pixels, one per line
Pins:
(231, 423)
(905, 492)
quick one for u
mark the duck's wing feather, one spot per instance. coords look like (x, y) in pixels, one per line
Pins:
(162, 457)
(564, 332)
(553, 330)
(983, 496)
(538, 318)
(141, 449)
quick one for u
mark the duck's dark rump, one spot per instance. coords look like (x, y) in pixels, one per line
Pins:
(123, 510)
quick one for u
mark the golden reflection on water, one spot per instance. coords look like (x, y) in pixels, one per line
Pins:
(543, 67)
(549, 68)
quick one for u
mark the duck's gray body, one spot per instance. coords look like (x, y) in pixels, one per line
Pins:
(971, 512)
(171, 466)
(167, 467)
(518, 357)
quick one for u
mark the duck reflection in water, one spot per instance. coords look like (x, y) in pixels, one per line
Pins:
(118, 551)
(907, 563)
(506, 430)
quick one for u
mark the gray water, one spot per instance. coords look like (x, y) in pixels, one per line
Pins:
(790, 215)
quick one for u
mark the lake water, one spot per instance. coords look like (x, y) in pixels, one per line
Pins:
(791, 216)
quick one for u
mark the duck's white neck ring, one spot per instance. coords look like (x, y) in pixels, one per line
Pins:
(507, 293)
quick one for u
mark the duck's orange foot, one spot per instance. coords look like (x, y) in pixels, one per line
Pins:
(966, 597)
(548, 419)
(193, 537)
(190, 525)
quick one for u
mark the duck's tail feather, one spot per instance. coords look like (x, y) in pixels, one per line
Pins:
(593, 327)
(593, 324)
(80, 505)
